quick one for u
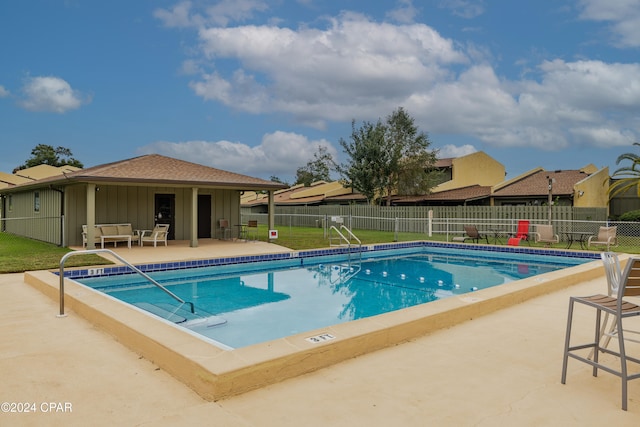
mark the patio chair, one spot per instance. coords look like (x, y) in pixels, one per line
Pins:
(613, 273)
(473, 234)
(544, 234)
(620, 309)
(224, 229)
(159, 234)
(606, 237)
(513, 241)
(96, 236)
(522, 232)
(252, 229)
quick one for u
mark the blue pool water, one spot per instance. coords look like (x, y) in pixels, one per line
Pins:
(243, 304)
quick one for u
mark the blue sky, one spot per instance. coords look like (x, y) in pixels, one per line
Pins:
(255, 86)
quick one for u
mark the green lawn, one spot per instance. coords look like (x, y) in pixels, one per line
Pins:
(18, 254)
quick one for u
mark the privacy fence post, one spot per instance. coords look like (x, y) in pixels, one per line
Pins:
(395, 237)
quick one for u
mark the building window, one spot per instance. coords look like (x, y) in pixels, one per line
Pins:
(10, 203)
(36, 201)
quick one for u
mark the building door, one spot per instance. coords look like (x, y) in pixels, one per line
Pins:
(165, 212)
(204, 216)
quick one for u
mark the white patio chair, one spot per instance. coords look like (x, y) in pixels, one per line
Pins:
(544, 234)
(159, 234)
(606, 237)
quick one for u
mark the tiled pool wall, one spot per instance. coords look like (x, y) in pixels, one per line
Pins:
(313, 253)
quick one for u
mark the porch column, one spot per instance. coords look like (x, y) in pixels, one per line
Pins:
(271, 211)
(91, 216)
(194, 218)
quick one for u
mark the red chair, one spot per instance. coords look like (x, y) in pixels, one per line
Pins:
(523, 230)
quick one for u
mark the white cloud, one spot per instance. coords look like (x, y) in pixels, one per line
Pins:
(4, 92)
(355, 68)
(226, 11)
(184, 14)
(453, 151)
(404, 13)
(179, 16)
(464, 8)
(51, 94)
(623, 15)
(278, 154)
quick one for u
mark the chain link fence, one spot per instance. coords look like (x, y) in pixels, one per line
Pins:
(572, 233)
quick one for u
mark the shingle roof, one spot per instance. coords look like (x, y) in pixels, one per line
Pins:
(459, 194)
(157, 169)
(290, 196)
(537, 184)
(444, 163)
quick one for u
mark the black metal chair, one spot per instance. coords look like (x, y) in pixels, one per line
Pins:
(474, 235)
(252, 229)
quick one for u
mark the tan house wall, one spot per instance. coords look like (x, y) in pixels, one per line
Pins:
(25, 220)
(593, 190)
(135, 205)
(473, 169)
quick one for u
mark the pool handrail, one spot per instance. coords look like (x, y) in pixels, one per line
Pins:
(342, 237)
(124, 261)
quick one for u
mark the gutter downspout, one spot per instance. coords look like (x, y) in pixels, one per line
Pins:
(61, 214)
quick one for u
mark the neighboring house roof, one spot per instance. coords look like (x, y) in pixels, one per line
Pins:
(33, 174)
(536, 184)
(314, 194)
(444, 163)
(44, 171)
(465, 194)
(7, 179)
(155, 169)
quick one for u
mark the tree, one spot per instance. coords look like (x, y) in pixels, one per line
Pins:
(365, 151)
(627, 177)
(318, 169)
(47, 155)
(278, 180)
(390, 157)
(409, 171)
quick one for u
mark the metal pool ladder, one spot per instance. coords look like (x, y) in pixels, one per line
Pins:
(348, 270)
(127, 263)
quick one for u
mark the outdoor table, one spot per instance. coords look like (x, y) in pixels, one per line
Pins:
(115, 239)
(498, 233)
(242, 231)
(139, 233)
(576, 236)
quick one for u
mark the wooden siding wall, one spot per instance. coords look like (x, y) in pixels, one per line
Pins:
(44, 225)
(135, 205)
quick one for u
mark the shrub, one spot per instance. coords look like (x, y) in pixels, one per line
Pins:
(630, 216)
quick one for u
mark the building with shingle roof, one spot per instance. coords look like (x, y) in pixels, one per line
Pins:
(140, 191)
(318, 193)
(462, 180)
(585, 187)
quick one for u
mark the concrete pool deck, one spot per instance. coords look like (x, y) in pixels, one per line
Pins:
(502, 368)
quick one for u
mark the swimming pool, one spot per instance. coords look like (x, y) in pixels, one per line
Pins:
(246, 303)
(216, 373)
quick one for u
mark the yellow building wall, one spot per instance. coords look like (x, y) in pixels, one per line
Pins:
(593, 191)
(474, 169)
